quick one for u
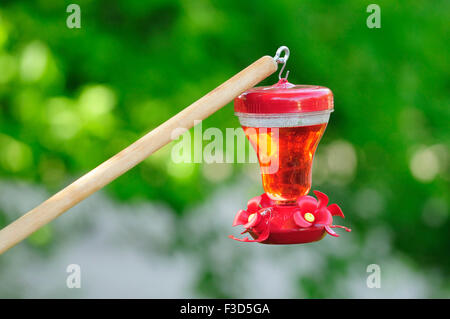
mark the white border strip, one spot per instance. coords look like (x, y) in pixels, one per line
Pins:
(283, 120)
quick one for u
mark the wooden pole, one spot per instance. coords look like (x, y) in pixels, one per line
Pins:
(135, 153)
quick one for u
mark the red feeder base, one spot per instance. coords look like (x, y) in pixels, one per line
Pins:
(307, 221)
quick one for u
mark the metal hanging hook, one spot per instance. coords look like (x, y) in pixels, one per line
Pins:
(282, 59)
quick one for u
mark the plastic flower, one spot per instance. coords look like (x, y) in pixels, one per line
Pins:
(255, 219)
(316, 213)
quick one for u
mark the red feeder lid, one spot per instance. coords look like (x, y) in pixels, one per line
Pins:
(284, 97)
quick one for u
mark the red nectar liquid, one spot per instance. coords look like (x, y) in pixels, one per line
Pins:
(285, 155)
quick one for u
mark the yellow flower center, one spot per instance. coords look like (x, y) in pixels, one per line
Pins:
(251, 218)
(309, 217)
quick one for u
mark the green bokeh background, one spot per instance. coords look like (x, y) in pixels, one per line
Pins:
(71, 98)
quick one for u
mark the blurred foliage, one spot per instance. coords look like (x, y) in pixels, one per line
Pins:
(71, 98)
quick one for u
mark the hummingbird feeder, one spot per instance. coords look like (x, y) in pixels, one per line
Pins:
(284, 123)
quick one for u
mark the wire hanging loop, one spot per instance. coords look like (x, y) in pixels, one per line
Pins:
(282, 59)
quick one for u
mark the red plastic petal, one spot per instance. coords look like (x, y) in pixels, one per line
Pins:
(253, 205)
(265, 200)
(255, 221)
(339, 226)
(300, 221)
(323, 217)
(241, 218)
(335, 210)
(245, 239)
(262, 237)
(307, 204)
(323, 199)
(330, 231)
